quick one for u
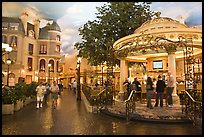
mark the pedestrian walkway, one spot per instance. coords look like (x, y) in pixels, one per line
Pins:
(71, 118)
(142, 113)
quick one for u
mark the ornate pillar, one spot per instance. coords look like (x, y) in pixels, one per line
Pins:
(172, 68)
(123, 77)
(24, 17)
(37, 28)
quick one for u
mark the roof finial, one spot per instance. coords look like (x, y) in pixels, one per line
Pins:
(158, 14)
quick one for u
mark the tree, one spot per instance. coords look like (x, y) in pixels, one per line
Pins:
(114, 21)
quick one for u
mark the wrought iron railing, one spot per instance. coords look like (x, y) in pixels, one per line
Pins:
(105, 98)
(191, 107)
(100, 97)
(130, 105)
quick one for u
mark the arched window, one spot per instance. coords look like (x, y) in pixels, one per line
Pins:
(58, 38)
(52, 65)
(57, 48)
(42, 65)
(13, 41)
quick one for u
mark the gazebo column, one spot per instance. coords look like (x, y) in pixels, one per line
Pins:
(123, 77)
(172, 69)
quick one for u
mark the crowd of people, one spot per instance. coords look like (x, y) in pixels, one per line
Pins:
(44, 90)
(153, 86)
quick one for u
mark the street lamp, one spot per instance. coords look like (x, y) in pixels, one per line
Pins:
(78, 78)
(8, 62)
(49, 65)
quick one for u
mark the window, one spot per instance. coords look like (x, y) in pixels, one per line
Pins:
(30, 30)
(4, 39)
(30, 49)
(52, 65)
(42, 65)
(14, 26)
(43, 49)
(30, 61)
(4, 26)
(13, 41)
(58, 38)
(57, 66)
(57, 48)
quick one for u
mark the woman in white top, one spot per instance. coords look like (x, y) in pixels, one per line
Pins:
(40, 95)
(54, 89)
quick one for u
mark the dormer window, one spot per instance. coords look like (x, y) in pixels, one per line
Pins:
(14, 26)
(4, 26)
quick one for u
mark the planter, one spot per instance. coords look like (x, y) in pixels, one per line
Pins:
(17, 106)
(7, 109)
(21, 103)
(27, 101)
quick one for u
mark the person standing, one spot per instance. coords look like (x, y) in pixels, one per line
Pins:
(54, 93)
(137, 87)
(40, 94)
(74, 86)
(60, 87)
(126, 85)
(160, 86)
(150, 92)
(170, 89)
(137, 84)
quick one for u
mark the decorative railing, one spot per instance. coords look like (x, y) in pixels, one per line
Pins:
(191, 107)
(130, 105)
(98, 97)
(105, 97)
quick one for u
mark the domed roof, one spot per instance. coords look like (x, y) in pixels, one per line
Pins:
(44, 31)
(55, 26)
(14, 20)
(159, 23)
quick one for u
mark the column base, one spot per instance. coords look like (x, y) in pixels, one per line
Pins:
(121, 96)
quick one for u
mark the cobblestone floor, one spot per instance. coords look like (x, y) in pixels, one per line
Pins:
(157, 113)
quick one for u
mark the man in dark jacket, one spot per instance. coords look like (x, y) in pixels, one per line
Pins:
(160, 86)
(137, 84)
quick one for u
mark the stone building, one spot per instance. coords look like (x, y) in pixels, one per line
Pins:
(33, 48)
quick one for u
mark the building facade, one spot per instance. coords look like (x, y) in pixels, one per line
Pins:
(33, 48)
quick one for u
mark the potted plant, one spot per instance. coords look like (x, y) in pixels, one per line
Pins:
(17, 90)
(8, 100)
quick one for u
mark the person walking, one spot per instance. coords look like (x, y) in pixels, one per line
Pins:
(40, 94)
(47, 92)
(74, 86)
(170, 89)
(160, 86)
(60, 88)
(150, 92)
(54, 94)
